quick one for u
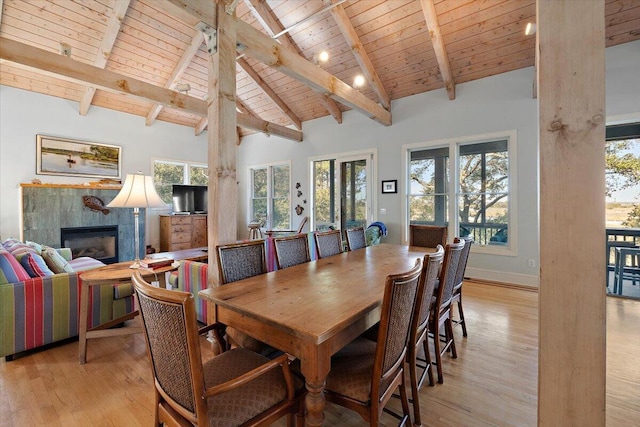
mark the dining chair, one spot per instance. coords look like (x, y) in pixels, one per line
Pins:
(356, 238)
(627, 267)
(419, 332)
(440, 318)
(456, 296)
(365, 373)
(237, 261)
(428, 236)
(328, 243)
(291, 250)
(237, 387)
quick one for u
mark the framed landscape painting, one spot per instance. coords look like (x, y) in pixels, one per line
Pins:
(60, 156)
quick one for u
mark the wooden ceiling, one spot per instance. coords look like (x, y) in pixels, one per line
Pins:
(403, 47)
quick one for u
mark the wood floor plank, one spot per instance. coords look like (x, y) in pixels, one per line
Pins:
(492, 382)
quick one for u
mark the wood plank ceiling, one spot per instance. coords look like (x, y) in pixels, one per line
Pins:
(402, 47)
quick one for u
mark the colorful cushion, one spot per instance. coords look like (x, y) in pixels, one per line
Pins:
(37, 246)
(10, 269)
(122, 290)
(10, 242)
(19, 249)
(55, 261)
(34, 265)
(85, 263)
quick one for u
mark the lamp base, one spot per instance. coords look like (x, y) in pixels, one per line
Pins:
(136, 264)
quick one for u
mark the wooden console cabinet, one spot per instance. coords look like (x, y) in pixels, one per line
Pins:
(179, 232)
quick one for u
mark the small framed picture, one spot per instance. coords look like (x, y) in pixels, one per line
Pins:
(390, 186)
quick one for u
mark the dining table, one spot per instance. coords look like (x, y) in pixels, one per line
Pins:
(314, 309)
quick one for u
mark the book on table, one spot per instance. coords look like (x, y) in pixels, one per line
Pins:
(155, 262)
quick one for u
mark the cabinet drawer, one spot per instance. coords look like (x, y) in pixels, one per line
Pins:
(180, 246)
(180, 229)
(180, 237)
(181, 220)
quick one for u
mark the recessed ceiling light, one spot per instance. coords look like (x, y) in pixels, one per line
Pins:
(358, 80)
(323, 56)
(530, 29)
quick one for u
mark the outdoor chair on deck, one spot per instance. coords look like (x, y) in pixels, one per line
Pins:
(419, 332)
(440, 322)
(236, 388)
(328, 243)
(427, 236)
(457, 289)
(365, 373)
(237, 261)
(291, 250)
(627, 267)
(356, 238)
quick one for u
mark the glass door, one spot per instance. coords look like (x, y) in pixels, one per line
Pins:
(342, 193)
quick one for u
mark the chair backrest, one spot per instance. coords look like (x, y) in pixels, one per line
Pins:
(356, 239)
(328, 243)
(424, 302)
(171, 334)
(447, 279)
(291, 250)
(237, 261)
(428, 236)
(303, 222)
(462, 264)
(398, 303)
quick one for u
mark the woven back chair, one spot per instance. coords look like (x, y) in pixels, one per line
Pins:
(441, 316)
(291, 250)
(328, 243)
(418, 337)
(237, 261)
(356, 238)
(210, 394)
(365, 373)
(456, 297)
(427, 236)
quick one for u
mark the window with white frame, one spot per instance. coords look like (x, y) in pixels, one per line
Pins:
(269, 192)
(476, 198)
(168, 172)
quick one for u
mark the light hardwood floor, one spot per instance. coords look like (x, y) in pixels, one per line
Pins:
(492, 383)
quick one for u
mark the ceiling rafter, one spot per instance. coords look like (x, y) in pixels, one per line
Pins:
(268, 51)
(52, 64)
(108, 40)
(431, 18)
(269, 92)
(350, 35)
(1, 9)
(240, 107)
(178, 71)
(263, 13)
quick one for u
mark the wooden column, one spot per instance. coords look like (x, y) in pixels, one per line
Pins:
(223, 189)
(571, 96)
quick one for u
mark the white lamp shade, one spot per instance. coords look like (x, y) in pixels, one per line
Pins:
(137, 192)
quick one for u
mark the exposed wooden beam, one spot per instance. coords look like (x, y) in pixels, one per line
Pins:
(60, 66)
(201, 126)
(431, 18)
(108, 40)
(263, 13)
(1, 11)
(242, 108)
(282, 106)
(353, 40)
(178, 71)
(270, 52)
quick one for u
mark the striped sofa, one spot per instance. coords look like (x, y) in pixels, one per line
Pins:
(35, 311)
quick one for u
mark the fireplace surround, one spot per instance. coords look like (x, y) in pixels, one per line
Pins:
(99, 242)
(48, 208)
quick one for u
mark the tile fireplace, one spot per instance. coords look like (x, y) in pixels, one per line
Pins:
(99, 242)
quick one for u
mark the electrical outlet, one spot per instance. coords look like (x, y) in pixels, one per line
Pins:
(531, 263)
(383, 211)
(155, 283)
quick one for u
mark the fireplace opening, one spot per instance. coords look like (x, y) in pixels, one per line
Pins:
(99, 242)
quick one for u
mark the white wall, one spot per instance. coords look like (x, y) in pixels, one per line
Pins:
(25, 114)
(494, 104)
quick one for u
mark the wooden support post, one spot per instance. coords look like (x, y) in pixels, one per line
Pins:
(571, 96)
(223, 188)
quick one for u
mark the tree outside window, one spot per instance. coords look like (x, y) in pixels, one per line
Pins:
(270, 196)
(166, 173)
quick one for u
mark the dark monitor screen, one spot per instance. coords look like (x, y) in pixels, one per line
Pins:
(189, 198)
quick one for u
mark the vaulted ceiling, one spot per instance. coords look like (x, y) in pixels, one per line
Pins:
(401, 47)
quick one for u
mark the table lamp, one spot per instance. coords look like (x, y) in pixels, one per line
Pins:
(137, 192)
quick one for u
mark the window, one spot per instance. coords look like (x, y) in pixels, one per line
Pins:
(270, 196)
(475, 199)
(167, 172)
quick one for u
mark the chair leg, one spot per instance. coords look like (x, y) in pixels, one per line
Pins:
(436, 347)
(451, 343)
(405, 403)
(429, 364)
(461, 314)
(413, 376)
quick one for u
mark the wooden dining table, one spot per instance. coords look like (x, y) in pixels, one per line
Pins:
(312, 310)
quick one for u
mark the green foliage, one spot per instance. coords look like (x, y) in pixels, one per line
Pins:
(633, 219)
(622, 166)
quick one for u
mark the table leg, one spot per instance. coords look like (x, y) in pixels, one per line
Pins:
(314, 403)
(84, 312)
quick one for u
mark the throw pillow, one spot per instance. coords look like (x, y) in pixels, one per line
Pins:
(35, 265)
(55, 261)
(10, 269)
(37, 246)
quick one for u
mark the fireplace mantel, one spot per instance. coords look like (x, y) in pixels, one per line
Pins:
(47, 208)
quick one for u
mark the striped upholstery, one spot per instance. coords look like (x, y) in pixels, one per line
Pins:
(40, 310)
(192, 278)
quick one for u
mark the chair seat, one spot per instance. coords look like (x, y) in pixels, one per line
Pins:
(352, 369)
(245, 402)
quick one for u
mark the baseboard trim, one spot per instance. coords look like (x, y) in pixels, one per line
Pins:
(502, 285)
(521, 280)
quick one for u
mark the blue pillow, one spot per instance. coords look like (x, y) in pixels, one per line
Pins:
(35, 265)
